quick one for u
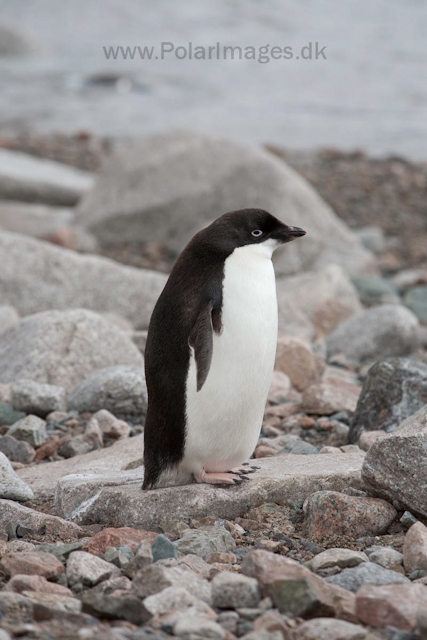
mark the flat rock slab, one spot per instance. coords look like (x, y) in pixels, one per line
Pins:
(116, 499)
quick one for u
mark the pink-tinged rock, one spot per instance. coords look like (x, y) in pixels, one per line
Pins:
(21, 583)
(329, 315)
(368, 438)
(54, 527)
(112, 426)
(296, 358)
(112, 537)
(415, 548)
(32, 563)
(329, 513)
(279, 388)
(262, 451)
(392, 605)
(330, 396)
(329, 629)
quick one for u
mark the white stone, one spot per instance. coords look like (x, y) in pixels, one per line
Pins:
(11, 485)
(88, 569)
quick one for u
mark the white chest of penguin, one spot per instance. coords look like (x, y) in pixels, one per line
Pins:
(224, 418)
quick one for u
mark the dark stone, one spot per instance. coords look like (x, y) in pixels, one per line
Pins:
(22, 531)
(17, 450)
(393, 390)
(299, 447)
(128, 608)
(8, 415)
(365, 573)
(163, 548)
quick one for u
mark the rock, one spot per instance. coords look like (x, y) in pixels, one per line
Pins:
(93, 433)
(381, 332)
(408, 519)
(375, 290)
(327, 513)
(38, 399)
(11, 485)
(55, 601)
(295, 358)
(35, 220)
(30, 429)
(189, 626)
(372, 238)
(116, 557)
(8, 415)
(204, 178)
(16, 606)
(329, 315)
(114, 498)
(38, 563)
(196, 564)
(279, 388)
(61, 550)
(88, 569)
(223, 557)
(126, 607)
(205, 541)
(8, 317)
(342, 558)
(142, 558)
(300, 448)
(63, 347)
(111, 426)
(422, 623)
(367, 438)
(77, 446)
(112, 537)
(38, 276)
(393, 390)
(393, 605)
(233, 591)
(329, 629)
(416, 300)
(13, 43)
(30, 179)
(153, 579)
(20, 583)
(169, 605)
(394, 467)
(121, 390)
(17, 451)
(164, 548)
(17, 514)
(366, 573)
(415, 548)
(388, 558)
(329, 396)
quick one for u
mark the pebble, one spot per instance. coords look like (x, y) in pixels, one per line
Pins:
(8, 415)
(11, 485)
(388, 558)
(38, 399)
(327, 512)
(342, 558)
(408, 519)
(196, 564)
(77, 446)
(296, 359)
(93, 434)
(299, 447)
(36, 563)
(142, 558)
(172, 603)
(329, 629)
(415, 548)
(116, 557)
(416, 300)
(30, 429)
(330, 396)
(195, 627)
(111, 426)
(164, 548)
(126, 607)
(22, 582)
(17, 450)
(391, 605)
(156, 577)
(232, 591)
(374, 290)
(115, 537)
(206, 540)
(88, 569)
(366, 573)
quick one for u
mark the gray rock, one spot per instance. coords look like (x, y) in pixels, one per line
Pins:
(232, 591)
(16, 450)
(205, 541)
(111, 426)
(63, 348)
(30, 429)
(168, 186)
(388, 558)
(395, 468)
(121, 390)
(8, 317)
(31, 179)
(116, 557)
(59, 549)
(37, 276)
(372, 238)
(36, 220)
(393, 390)
(365, 573)
(17, 514)
(375, 290)
(156, 577)
(331, 629)
(125, 607)
(77, 446)
(142, 558)
(198, 627)
(38, 399)
(300, 448)
(11, 485)
(88, 569)
(9, 415)
(114, 496)
(408, 519)
(416, 300)
(13, 43)
(164, 548)
(381, 332)
(342, 558)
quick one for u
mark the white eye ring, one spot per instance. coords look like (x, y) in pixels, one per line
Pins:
(256, 233)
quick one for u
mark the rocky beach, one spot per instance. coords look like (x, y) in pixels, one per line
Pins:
(328, 540)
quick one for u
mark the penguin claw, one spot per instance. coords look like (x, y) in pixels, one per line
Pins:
(237, 480)
(244, 478)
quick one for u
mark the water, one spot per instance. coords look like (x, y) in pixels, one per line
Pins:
(370, 92)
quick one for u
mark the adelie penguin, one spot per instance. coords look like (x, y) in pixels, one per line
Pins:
(210, 352)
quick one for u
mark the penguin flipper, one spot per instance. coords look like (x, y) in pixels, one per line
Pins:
(201, 339)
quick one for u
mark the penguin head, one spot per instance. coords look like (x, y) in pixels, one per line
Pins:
(256, 227)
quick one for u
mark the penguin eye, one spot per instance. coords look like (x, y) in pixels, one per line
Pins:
(256, 233)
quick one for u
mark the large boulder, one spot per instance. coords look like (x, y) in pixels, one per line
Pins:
(169, 186)
(393, 390)
(381, 332)
(32, 179)
(8, 317)
(37, 276)
(395, 466)
(36, 220)
(63, 347)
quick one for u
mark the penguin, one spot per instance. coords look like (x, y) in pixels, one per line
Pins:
(210, 352)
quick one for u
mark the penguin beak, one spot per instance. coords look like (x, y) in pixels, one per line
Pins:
(287, 234)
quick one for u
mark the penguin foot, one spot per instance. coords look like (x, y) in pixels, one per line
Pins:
(225, 477)
(244, 469)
